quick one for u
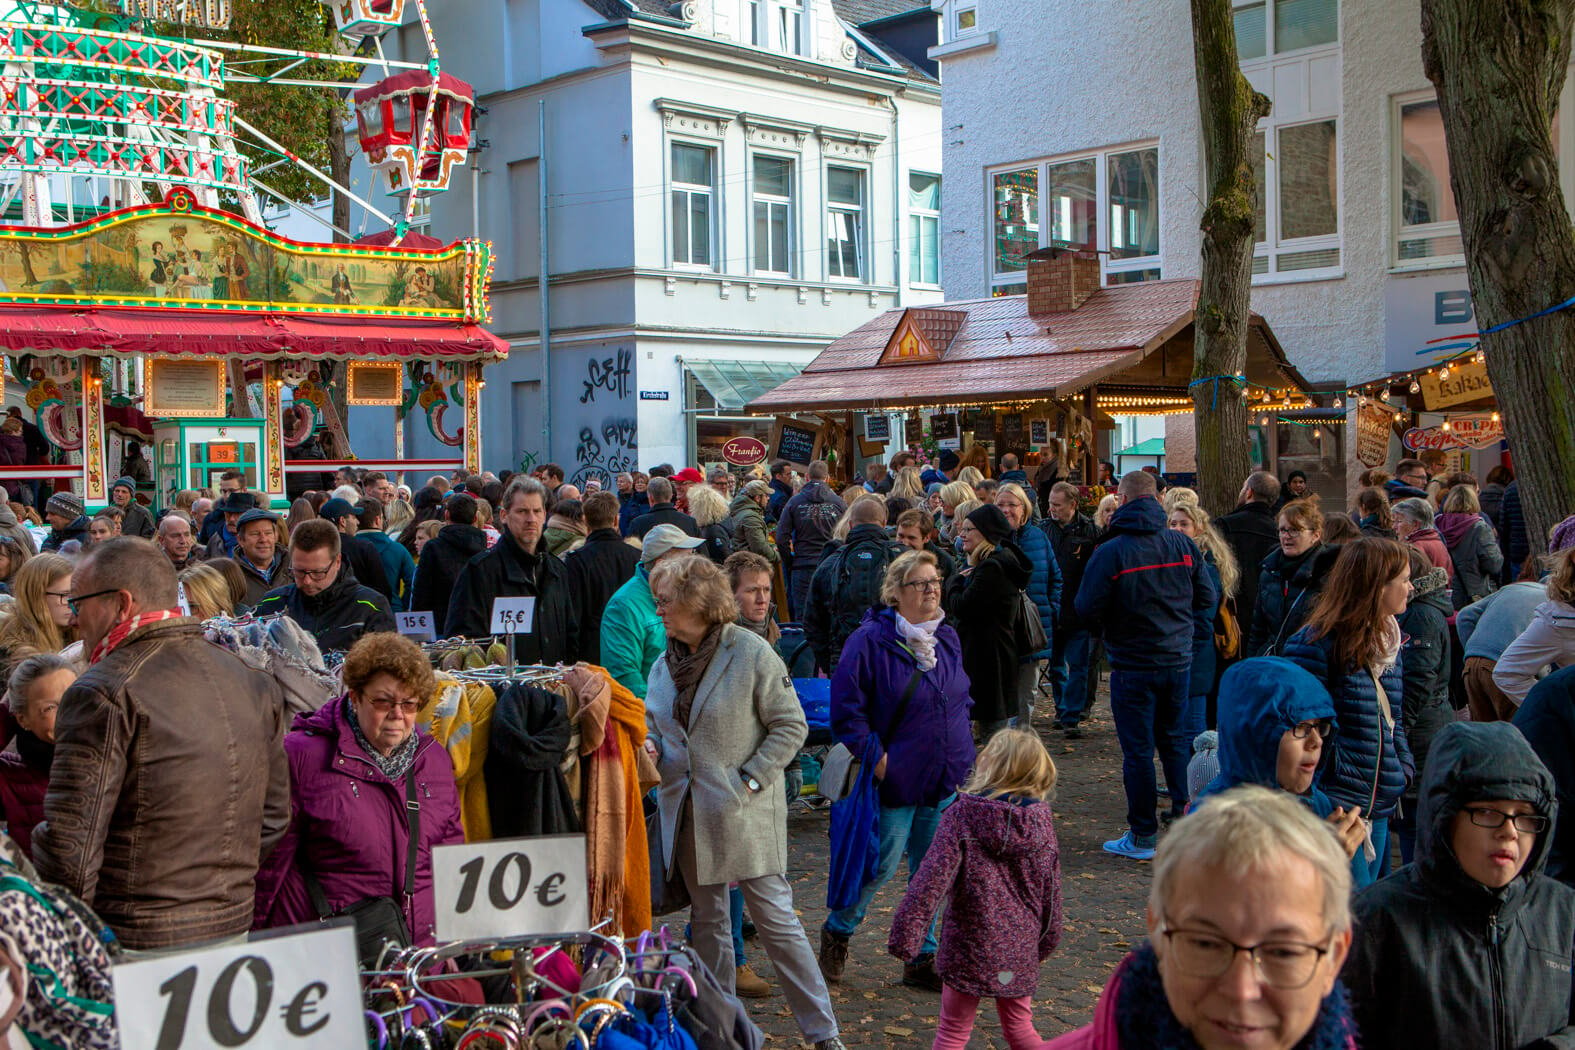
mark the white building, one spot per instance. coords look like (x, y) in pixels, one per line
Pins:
(731, 184)
(1077, 123)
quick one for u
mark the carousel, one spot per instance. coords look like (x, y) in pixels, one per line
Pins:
(142, 297)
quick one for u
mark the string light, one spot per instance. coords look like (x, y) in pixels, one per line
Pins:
(1415, 387)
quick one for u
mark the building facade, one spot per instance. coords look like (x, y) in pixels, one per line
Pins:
(1358, 264)
(730, 185)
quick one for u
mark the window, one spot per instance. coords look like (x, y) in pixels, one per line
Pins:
(1103, 202)
(693, 190)
(777, 24)
(924, 228)
(967, 20)
(1275, 27)
(845, 223)
(773, 214)
(1427, 226)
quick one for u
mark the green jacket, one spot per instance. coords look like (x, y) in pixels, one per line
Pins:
(632, 634)
(747, 523)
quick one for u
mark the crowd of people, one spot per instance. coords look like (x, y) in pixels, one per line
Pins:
(1330, 695)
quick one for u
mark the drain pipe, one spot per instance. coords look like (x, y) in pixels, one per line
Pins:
(545, 327)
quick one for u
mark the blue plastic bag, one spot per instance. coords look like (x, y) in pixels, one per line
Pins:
(855, 836)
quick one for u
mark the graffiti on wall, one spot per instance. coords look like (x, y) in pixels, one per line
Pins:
(605, 451)
(608, 374)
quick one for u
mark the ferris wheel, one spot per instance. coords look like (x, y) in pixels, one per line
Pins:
(103, 103)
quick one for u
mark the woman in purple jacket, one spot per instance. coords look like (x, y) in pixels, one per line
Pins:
(351, 763)
(900, 687)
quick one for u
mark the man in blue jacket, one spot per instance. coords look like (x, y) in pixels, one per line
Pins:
(1147, 587)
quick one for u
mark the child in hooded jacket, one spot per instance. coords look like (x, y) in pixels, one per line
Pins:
(996, 862)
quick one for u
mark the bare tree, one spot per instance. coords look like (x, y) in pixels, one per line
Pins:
(1230, 110)
(1499, 68)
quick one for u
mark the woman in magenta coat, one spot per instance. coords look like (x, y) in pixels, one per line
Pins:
(348, 767)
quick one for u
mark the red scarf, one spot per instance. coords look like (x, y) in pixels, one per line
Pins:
(123, 629)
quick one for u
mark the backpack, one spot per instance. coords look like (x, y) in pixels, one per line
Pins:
(64, 950)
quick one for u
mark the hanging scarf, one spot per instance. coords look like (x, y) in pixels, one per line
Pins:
(122, 630)
(1144, 1018)
(1392, 639)
(920, 637)
(687, 666)
(766, 628)
(395, 764)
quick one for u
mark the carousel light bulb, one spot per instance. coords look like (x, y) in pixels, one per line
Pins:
(1339, 403)
(1383, 395)
(1361, 402)
(1481, 358)
(1415, 387)
(1443, 373)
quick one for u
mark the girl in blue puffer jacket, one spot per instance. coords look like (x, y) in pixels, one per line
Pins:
(1351, 644)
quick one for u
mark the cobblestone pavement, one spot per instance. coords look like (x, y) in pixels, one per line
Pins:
(1104, 896)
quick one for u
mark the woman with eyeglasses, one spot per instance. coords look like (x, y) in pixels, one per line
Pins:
(1276, 722)
(38, 619)
(1290, 579)
(1351, 645)
(358, 766)
(1470, 946)
(899, 699)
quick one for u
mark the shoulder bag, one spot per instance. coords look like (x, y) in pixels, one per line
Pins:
(379, 921)
(840, 769)
(1030, 629)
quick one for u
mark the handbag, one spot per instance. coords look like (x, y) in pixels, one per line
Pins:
(669, 891)
(1030, 629)
(379, 921)
(839, 770)
(1227, 631)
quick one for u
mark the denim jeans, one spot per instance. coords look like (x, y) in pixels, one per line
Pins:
(1365, 872)
(903, 829)
(1148, 707)
(1070, 678)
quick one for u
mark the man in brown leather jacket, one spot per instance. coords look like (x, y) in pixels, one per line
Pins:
(169, 784)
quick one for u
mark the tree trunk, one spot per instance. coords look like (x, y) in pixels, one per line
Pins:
(1499, 69)
(1230, 110)
(339, 168)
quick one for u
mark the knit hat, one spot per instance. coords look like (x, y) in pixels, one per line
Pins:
(66, 504)
(1563, 535)
(991, 523)
(127, 483)
(948, 461)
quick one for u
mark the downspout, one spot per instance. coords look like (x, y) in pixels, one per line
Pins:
(896, 200)
(545, 328)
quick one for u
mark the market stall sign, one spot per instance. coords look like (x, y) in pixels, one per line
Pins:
(1039, 432)
(183, 388)
(877, 428)
(943, 428)
(416, 625)
(1467, 382)
(1473, 431)
(1373, 425)
(511, 888)
(278, 993)
(796, 442)
(744, 451)
(513, 615)
(375, 383)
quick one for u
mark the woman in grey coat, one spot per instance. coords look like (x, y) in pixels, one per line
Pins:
(722, 723)
(1473, 546)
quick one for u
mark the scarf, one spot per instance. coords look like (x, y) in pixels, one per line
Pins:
(766, 628)
(395, 765)
(920, 637)
(687, 666)
(122, 630)
(1392, 640)
(1144, 1020)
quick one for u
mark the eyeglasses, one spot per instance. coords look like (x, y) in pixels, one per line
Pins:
(383, 706)
(1528, 823)
(664, 603)
(1286, 965)
(75, 604)
(1291, 532)
(1322, 726)
(927, 586)
(315, 575)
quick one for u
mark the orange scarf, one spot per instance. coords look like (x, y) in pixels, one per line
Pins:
(122, 630)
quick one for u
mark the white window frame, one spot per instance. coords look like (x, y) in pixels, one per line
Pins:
(1269, 52)
(769, 19)
(675, 187)
(932, 215)
(1012, 280)
(790, 202)
(861, 211)
(954, 26)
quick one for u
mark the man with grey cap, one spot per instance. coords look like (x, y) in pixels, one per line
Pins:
(747, 521)
(632, 632)
(136, 521)
(66, 521)
(257, 553)
(232, 506)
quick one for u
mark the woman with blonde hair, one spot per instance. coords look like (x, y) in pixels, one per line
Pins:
(397, 516)
(207, 592)
(709, 509)
(1174, 497)
(425, 531)
(1044, 587)
(1105, 511)
(908, 486)
(1192, 521)
(1548, 639)
(1472, 545)
(38, 620)
(971, 476)
(953, 495)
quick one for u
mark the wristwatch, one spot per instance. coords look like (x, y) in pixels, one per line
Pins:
(750, 782)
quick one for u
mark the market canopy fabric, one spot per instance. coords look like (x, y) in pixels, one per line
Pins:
(1137, 336)
(124, 332)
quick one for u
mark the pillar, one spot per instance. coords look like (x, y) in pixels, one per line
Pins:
(473, 385)
(273, 476)
(95, 489)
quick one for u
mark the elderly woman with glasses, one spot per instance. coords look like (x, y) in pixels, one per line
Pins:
(899, 699)
(363, 780)
(1249, 922)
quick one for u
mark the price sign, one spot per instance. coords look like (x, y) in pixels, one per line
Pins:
(417, 625)
(513, 615)
(511, 888)
(296, 991)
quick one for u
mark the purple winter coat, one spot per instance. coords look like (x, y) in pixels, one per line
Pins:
(997, 862)
(931, 752)
(347, 823)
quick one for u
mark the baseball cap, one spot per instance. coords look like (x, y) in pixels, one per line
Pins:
(690, 476)
(663, 538)
(337, 508)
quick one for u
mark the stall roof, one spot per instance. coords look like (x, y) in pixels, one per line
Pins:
(735, 384)
(986, 350)
(1150, 447)
(118, 331)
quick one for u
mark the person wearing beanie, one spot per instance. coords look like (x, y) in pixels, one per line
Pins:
(1563, 535)
(66, 521)
(983, 601)
(947, 463)
(135, 519)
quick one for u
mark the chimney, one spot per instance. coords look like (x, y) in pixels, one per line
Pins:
(1060, 279)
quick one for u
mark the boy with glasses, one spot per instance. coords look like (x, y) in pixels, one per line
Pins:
(1471, 944)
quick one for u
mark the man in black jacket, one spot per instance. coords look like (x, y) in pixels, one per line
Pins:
(598, 567)
(442, 558)
(1250, 530)
(804, 530)
(325, 598)
(364, 561)
(519, 566)
(1073, 535)
(663, 511)
(847, 583)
